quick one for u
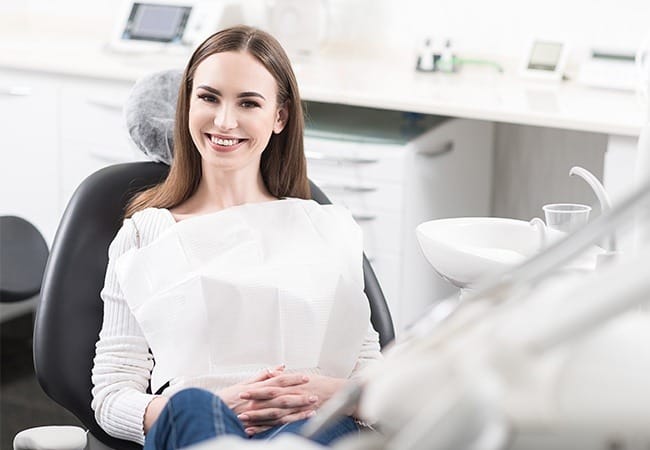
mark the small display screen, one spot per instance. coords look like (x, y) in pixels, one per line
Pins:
(545, 56)
(156, 22)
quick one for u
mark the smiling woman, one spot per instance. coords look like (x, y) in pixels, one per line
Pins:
(246, 294)
(234, 71)
(231, 121)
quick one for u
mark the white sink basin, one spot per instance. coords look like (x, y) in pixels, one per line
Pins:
(463, 250)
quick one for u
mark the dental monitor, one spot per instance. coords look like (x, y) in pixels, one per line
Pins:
(545, 58)
(164, 24)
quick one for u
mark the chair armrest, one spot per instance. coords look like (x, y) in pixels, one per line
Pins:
(51, 438)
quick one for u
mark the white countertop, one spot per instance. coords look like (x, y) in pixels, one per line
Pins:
(388, 82)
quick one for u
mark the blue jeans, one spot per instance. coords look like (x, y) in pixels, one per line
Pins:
(195, 415)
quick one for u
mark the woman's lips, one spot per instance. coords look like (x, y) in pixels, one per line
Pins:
(224, 144)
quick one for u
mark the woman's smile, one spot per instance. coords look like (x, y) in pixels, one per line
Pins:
(221, 143)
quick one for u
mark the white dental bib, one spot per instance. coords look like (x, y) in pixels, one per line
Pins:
(252, 286)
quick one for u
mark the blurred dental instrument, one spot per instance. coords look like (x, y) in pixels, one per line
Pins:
(642, 164)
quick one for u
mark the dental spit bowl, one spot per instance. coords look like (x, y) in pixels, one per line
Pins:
(464, 250)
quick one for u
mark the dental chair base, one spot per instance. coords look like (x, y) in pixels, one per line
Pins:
(51, 438)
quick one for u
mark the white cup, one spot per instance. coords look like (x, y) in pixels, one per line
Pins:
(566, 217)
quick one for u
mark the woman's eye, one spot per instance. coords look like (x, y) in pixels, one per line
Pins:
(208, 98)
(249, 104)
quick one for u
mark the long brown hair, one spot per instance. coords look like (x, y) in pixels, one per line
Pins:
(283, 164)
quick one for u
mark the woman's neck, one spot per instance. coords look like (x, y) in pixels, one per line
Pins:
(224, 191)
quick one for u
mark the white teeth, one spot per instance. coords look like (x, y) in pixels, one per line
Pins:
(224, 142)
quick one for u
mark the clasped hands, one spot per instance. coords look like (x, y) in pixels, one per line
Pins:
(274, 398)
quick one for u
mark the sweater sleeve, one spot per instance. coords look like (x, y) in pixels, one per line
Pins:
(123, 363)
(368, 355)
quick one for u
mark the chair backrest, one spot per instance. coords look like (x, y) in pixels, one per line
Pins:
(70, 314)
(23, 254)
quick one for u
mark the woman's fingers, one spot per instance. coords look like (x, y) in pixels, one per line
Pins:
(285, 401)
(266, 374)
(273, 387)
(273, 416)
(256, 429)
(298, 416)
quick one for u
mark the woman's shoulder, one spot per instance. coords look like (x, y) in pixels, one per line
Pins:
(143, 226)
(152, 215)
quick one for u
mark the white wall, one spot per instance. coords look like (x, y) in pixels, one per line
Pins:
(496, 27)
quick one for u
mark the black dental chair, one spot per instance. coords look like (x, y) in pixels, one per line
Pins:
(70, 314)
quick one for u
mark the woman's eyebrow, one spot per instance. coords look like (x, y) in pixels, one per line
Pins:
(251, 94)
(241, 95)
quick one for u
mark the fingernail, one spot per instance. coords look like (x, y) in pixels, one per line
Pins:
(245, 395)
(313, 398)
(243, 417)
(311, 413)
(305, 378)
(249, 430)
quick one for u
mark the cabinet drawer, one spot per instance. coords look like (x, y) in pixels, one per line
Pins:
(91, 113)
(355, 160)
(360, 194)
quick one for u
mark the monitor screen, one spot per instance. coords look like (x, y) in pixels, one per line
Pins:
(156, 22)
(545, 56)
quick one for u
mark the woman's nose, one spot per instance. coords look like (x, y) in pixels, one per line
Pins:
(226, 118)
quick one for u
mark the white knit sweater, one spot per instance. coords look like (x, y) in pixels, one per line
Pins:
(123, 362)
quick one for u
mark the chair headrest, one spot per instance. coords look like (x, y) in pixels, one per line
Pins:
(149, 113)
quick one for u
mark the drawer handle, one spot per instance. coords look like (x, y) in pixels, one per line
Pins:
(106, 104)
(16, 91)
(435, 152)
(322, 157)
(363, 217)
(347, 188)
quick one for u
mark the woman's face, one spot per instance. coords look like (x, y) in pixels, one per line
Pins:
(233, 111)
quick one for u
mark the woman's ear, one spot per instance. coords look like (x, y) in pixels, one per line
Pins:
(281, 118)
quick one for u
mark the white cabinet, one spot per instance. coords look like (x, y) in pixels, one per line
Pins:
(93, 130)
(448, 173)
(30, 163)
(394, 171)
(56, 131)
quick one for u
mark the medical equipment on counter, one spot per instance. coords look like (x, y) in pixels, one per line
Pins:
(545, 59)
(435, 59)
(165, 25)
(427, 59)
(447, 62)
(609, 69)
